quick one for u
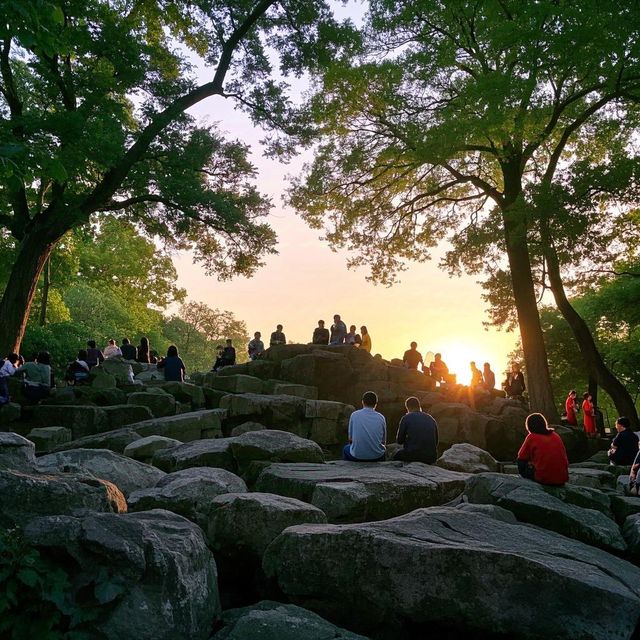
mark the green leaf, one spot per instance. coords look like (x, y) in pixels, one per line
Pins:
(57, 170)
(28, 577)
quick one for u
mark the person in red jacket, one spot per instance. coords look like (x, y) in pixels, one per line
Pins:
(571, 408)
(589, 416)
(542, 456)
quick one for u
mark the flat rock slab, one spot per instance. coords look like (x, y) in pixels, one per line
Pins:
(631, 531)
(274, 445)
(188, 492)
(561, 510)
(161, 576)
(17, 452)
(593, 478)
(268, 620)
(446, 569)
(144, 448)
(185, 427)
(24, 496)
(213, 452)
(127, 474)
(46, 439)
(358, 492)
(624, 506)
(115, 441)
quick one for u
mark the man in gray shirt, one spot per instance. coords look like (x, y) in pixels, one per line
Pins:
(367, 432)
(418, 432)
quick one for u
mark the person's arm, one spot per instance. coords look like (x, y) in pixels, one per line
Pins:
(384, 433)
(525, 450)
(350, 428)
(524, 387)
(402, 431)
(435, 432)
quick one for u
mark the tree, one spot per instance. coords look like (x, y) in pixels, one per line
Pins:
(94, 99)
(442, 126)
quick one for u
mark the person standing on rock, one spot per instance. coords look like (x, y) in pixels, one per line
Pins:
(366, 339)
(589, 415)
(542, 456)
(367, 432)
(488, 377)
(320, 334)
(277, 337)
(412, 357)
(624, 447)
(144, 350)
(338, 330)
(229, 354)
(418, 433)
(256, 346)
(571, 408)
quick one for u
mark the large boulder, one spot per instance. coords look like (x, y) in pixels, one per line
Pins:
(115, 440)
(185, 427)
(188, 492)
(161, 404)
(83, 420)
(144, 449)
(119, 368)
(9, 412)
(276, 412)
(594, 478)
(152, 574)
(331, 373)
(631, 532)
(445, 572)
(268, 620)
(237, 384)
(16, 452)
(468, 459)
(200, 453)
(278, 387)
(24, 496)
(275, 446)
(48, 438)
(358, 491)
(186, 392)
(561, 510)
(127, 474)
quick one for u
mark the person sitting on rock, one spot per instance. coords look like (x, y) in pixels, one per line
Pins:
(229, 354)
(412, 357)
(173, 366)
(476, 375)
(320, 334)
(488, 377)
(219, 362)
(144, 350)
(418, 433)
(366, 339)
(78, 370)
(338, 330)
(352, 337)
(367, 432)
(571, 408)
(38, 377)
(112, 350)
(514, 386)
(439, 370)
(94, 355)
(7, 369)
(277, 337)
(256, 347)
(624, 447)
(634, 479)
(129, 351)
(542, 456)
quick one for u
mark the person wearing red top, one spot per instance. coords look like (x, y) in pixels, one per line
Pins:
(542, 456)
(589, 413)
(570, 407)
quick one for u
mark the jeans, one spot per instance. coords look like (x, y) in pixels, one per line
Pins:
(4, 391)
(346, 455)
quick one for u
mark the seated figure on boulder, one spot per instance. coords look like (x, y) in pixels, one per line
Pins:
(412, 357)
(94, 355)
(514, 384)
(624, 447)
(112, 350)
(228, 354)
(78, 370)
(277, 337)
(129, 351)
(338, 331)
(634, 480)
(7, 369)
(38, 377)
(418, 433)
(353, 337)
(366, 339)
(439, 370)
(542, 456)
(367, 432)
(173, 366)
(219, 363)
(256, 346)
(320, 334)
(488, 377)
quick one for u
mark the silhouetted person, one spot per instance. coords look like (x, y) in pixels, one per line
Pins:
(412, 357)
(320, 334)
(514, 385)
(78, 371)
(624, 447)
(488, 377)
(94, 355)
(476, 375)
(352, 337)
(418, 433)
(256, 346)
(366, 339)
(367, 432)
(229, 354)
(571, 408)
(438, 369)
(542, 456)
(338, 331)
(172, 365)
(277, 337)
(144, 351)
(129, 351)
(589, 415)
(219, 361)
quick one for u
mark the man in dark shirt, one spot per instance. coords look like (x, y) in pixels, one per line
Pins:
(320, 334)
(624, 447)
(129, 351)
(229, 354)
(412, 357)
(338, 330)
(277, 337)
(418, 432)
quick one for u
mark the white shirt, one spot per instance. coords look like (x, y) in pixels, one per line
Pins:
(111, 351)
(7, 369)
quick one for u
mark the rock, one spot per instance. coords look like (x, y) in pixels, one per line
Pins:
(591, 478)
(357, 491)
(200, 453)
(624, 506)
(622, 484)
(160, 404)
(115, 440)
(237, 384)
(100, 396)
(247, 427)
(185, 427)
(24, 496)
(189, 492)
(186, 392)
(275, 446)
(600, 456)
(144, 448)
(631, 532)
(9, 412)
(120, 415)
(274, 620)
(16, 452)
(490, 510)
(547, 507)
(276, 412)
(102, 380)
(152, 572)
(467, 458)
(48, 438)
(262, 369)
(119, 368)
(279, 387)
(82, 420)
(127, 474)
(489, 578)
(150, 375)
(331, 373)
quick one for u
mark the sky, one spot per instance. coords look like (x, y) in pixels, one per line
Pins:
(307, 281)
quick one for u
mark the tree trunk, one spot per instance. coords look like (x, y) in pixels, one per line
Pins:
(45, 292)
(535, 353)
(596, 367)
(592, 388)
(32, 254)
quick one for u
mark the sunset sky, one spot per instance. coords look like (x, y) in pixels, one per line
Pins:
(306, 282)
